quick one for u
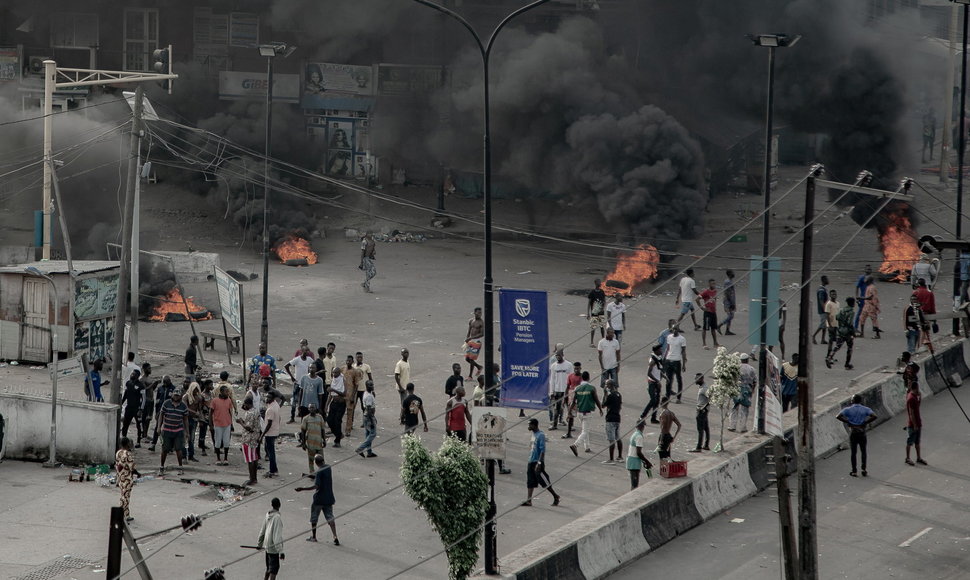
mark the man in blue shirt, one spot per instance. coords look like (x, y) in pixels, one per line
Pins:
(260, 359)
(536, 472)
(857, 416)
(323, 499)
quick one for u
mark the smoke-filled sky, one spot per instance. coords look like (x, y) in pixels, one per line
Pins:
(579, 107)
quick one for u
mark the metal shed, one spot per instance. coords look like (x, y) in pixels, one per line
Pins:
(84, 314)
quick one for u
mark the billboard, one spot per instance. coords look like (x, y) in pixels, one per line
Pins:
(230, 299)
(754, 297)
(400, 80)
(322, 80)
(525, 348)
(235, 85)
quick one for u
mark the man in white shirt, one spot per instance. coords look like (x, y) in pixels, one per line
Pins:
(676, 361)
(616, 316)
(402, 376)
(686, 296)
(609, 357)
(300, 364)
(559, 370)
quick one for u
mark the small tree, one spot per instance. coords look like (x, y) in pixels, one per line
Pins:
(452, 489)
(726, 385)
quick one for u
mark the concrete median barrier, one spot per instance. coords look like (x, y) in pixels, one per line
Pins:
(604, 540)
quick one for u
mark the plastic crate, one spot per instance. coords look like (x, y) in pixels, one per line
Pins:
(670, 469)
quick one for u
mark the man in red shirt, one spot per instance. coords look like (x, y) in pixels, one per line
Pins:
(927, 303)
(915, 424)
(222, 407)
(707, 300)
(456, 413)
(572, 382)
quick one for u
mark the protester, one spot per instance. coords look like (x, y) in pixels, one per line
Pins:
(311, 392)
(730, 303)
(707, 300)
(473, 343)
(559, 370)
(845, 335)
(223, 408)
(454, 380)
(412, 406)
(323, 499)
(257, 364)
(870, 310)
(595, 311)
(174, 416)
(703, 406)
(147, 403)
(616, 316)
(914, 422)
(369, 406)
(301, 364)
(131, 401)
(125, 468)
(313, 434)
(742, 403)
(686, 294)
(368, 256)
(536, 470)
(93, 381)
(271, 533)
(654, 375)
(914, 324)
(402, 376)
(789, 383)
(162, 394)
(613, 402)
(337, 406)
(857, 416)
(675, 357)
(608, 352)
(274, 417)
(861, 286)
(821, 299)
(456, 413)
(635, 459)
(191, 359)
(353, 380)
(251, 435)
(585, 400)
(666, 440)
(573, 381)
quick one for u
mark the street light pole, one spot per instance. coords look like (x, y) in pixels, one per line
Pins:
(771, 41)
(52, 453)
(488, 313)
(957, 283)
(270, 51)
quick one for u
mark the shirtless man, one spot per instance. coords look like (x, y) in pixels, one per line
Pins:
(667, 418)
(367, 257)
(476, 330)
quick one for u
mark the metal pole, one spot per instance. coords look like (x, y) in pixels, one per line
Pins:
(52, 461)
(805, 443)
(763, 340)
(957, 283)
(264, 326)
(135, 255)
(115, 537)
(121, 307)
(491, 536)
(50, 74)
(789, 549)
(948, 101)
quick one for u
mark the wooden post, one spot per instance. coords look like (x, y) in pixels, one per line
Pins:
(115, 533)
(789, 549)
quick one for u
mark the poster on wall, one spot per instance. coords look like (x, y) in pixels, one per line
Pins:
(323, 79)
(362, 166)
(341, 134)
(339, 163)
(95, 297)
(9, 63)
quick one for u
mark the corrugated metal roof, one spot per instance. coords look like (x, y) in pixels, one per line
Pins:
(60, 266)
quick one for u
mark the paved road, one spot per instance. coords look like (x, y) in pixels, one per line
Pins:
(900, 522)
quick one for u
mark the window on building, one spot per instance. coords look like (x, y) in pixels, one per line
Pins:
(72, 30)
(141, 37)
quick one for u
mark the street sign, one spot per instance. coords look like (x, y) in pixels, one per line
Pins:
(488, 432)
(68, 368)
(230, 299)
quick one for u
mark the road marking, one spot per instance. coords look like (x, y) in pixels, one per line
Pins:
(910, 541)
(828, 392)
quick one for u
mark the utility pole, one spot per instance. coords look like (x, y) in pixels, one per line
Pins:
(50, 72)
(789, 549)
(961, 151)
(121, 308)
(136, 256)
(948, 100)
(805, 440)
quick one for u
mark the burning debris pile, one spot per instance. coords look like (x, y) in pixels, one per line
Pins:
(293, 249)
(633, 269)
(897, 240)
(159, 297)
(172, 307)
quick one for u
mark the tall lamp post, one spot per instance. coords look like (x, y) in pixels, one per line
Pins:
(52, 460)
(270, 51)
(771, 42)
(962, 148)
(485, 50)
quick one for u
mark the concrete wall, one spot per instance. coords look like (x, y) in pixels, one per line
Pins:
(607, 538)
(85, 431)
(190, 266)
(16, 255)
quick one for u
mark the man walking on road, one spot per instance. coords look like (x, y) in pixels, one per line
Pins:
(914, 424)
(456, 415)
(666, 441)
(338, 406)
(845, 334)
(654, 375)
(370, 420)
(272, 431)
(616, 316)
(703, 406)
(857, 416)
(313, 433)
(707, 300)
(821, 299)
(558, 382)
(596, 311)
(585, 400)
(572, 382)
(676, 365)
(323, 499)
(536, 471)
(474, 342)
(271, 534)
(635, 459)
(192, 359)
(402, 376)
(609, 358)
(174, 416)
(730, 303)
(613, 402)
(412, 407)
(368, 255)
(249, 420)
(686, 296)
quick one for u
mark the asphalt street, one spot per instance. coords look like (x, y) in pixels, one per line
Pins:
(900, 522)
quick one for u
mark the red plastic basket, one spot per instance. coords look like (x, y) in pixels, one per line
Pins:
(671, 469)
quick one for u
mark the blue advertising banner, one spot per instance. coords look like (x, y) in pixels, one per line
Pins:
(525, 348)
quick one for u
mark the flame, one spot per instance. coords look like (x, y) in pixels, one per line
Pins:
(293, 247)
(634, 268)
(897, 240)
(172, 303)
